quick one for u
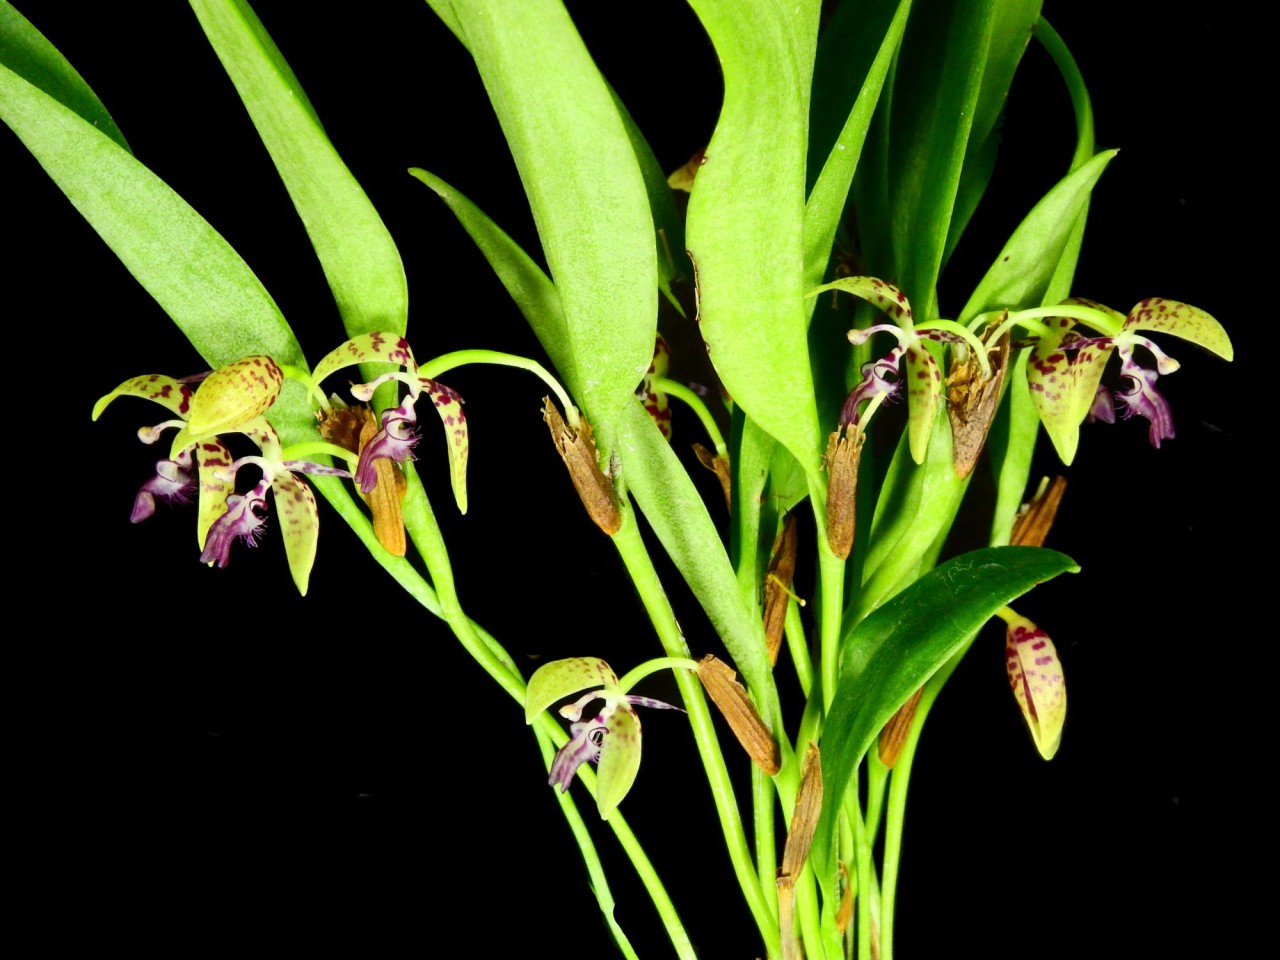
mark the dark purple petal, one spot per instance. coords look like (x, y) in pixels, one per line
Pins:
(244, 518)
(585, 743)
(174, 482)
(875, 380)
(394, 441)
(1141, 397)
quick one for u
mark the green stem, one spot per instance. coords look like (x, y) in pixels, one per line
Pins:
(640, 568)
(798, 645)
(766, 841)
(673, 388)
(877, 780)
(443, 364)
(595, 870)
(632, 677)
(897, 806)
(318, 448)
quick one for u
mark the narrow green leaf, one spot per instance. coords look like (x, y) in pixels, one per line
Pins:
(585, 190)
(357, 253)
(662, 489)
(746, 215)
(25, 51)
(855, 45)
(209, 292)
(524, 280)
(898, 647)
(1010, 34)
(1021, 274)
(675, 509)
(937, 83)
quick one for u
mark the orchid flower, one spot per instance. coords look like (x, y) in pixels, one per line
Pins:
(231, 399)
(923, 378)
(226, 397)
(1066, 368)
(397, 437)
(650, 391)
(610, 738)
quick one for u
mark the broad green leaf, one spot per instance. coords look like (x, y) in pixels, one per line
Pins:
(209, 292)
(357, 253)
(673, 261)
(585, 191)
(25, 51)
(1020, 275)
(746, 215)
(898, 647)
(854, 40)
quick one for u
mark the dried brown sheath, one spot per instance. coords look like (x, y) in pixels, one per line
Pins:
(791, 949)
(844, 913)
(971, 404)
(894, 734)
(777, 585)
(843, 454)
(351, 428)
(578, 451)
(804, 818)
(730, 697)
(1036, 519)
(719, 466)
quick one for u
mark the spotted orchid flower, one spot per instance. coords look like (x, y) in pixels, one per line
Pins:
(1035, 676)
(230, 400)
(398, 434)
(610, 738)
(227, 397)
(883, 378)
(245, 516)
(1066, 367)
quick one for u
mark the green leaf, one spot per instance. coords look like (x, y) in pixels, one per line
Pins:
(530, 288)
(746, 216)
(561, 678)
(210, 293)
(847, 45)
(936, 89)
(1010, 34)
(674, 508)
(585, 190)
(25, 51)
(1021, 274)
(357, 253)
(898, 647)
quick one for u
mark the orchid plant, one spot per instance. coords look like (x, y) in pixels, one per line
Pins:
(839, 389)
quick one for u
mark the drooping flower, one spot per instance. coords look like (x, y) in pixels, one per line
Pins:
(650, 393)
(398, 436)
(610, 738)
(173, 481)
(229, 400)
(922, 380)
(1066, 367)
(296, 504)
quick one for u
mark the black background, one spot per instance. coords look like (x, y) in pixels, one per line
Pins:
(225, 753)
